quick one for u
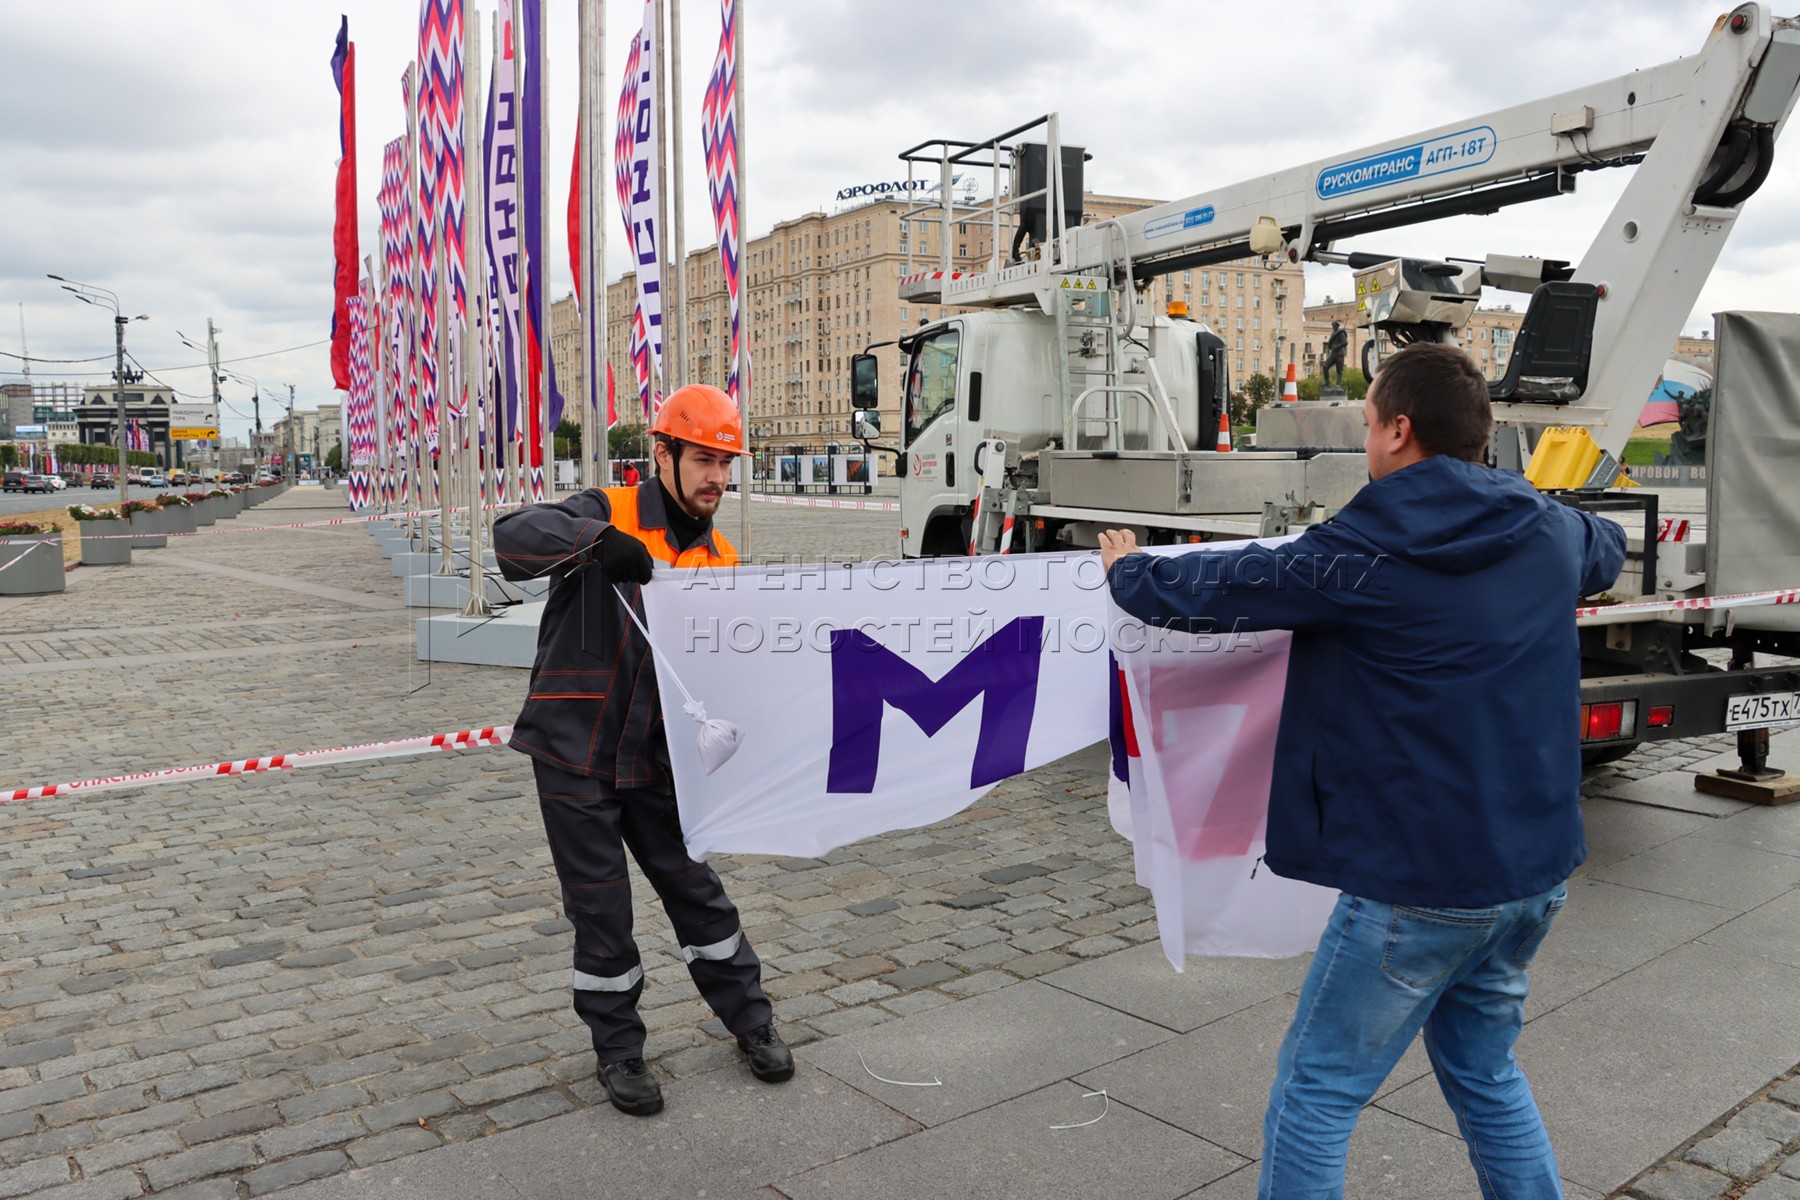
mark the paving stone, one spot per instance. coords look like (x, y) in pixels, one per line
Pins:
(249, 954)
(366, 1152)
(410, 1111)
(323, 1102)
(921, 976)
(1790, 1166)
(40, 1094)
(1775, 1187)
(231, 1124)
(1788, 1092)
(536, 1107)
(503, 1086)
(295, 1170)
(45, 1172)
(1001, 876)
(119, 1185)
(1681, 1181)
(123, 1152)
(309, 1135)
(1776, 1122)
(318, 958)
(869, 908)
(211, 1189)
(974, 899)
(1095, 947)
(1734, 1151)
(214, 1159)
(852, 969)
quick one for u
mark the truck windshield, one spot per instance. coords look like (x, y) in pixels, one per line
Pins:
(931, 380)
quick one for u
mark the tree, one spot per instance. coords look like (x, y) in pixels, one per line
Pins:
(1355, 383)
(568, 431)
(1258, 390)
(628, 441)
(9, 454)
(334, 461)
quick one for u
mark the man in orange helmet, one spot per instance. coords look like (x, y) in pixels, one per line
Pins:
(592, 724)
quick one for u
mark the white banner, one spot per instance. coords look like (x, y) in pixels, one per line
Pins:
(1197, 738)
(875, 696)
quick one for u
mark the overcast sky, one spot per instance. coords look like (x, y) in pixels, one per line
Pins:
(182, 153)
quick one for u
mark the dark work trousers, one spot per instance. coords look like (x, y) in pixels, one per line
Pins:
(589, 824)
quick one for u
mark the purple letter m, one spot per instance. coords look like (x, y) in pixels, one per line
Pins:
(865, 675)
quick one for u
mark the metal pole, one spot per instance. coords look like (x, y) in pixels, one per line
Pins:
(289, 464)
(474, 359)
(665, 333)
(119, 320)
(744, 367)
(256, 439)
(677, 297)
(212, 360)
(542, 270)
(446, 497)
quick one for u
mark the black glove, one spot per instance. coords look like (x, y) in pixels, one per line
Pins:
(622, 558)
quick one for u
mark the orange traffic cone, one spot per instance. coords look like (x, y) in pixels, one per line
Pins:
(1290, 391)
(1224, 443)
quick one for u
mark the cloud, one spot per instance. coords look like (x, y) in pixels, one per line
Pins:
(182, 153)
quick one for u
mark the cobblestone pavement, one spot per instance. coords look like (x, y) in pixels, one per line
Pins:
(218, 989)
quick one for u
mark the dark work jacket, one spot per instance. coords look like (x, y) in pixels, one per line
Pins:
(1428, 751)
(593, 707)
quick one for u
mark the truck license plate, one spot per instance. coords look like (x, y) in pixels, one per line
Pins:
(1762, 710)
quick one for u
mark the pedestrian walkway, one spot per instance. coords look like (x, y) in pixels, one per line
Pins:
(357, 975)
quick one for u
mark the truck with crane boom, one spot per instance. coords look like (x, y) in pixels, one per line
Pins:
(1060, 401)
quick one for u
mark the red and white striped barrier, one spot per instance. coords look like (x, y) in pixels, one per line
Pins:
(1649, 610)
(464, 739)
(1671, 529)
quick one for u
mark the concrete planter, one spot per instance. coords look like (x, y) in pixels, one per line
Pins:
(147, 530)
(179, 518)
(204, 513)
(39, 565)
(108, 547)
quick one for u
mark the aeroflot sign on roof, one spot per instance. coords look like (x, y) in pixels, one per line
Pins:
(899, 187)
(860, 190)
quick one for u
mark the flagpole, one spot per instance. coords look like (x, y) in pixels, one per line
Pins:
(446, 443)
(665, 331)
(593, 419)
(745, 391)
(474, 288)
(541, 270)
(505, 438)
(678, 205)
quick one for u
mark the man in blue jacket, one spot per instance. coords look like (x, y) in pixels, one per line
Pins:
(1427, 765)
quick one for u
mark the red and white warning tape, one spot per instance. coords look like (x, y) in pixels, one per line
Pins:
(1645, 610)
(465, 739)
(55, 541)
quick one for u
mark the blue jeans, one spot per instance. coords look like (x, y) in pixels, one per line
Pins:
(1382, 973)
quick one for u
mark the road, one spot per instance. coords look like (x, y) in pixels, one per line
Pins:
(24, 502)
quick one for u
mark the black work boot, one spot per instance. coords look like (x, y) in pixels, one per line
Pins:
(632, 1088)
(770, 1060)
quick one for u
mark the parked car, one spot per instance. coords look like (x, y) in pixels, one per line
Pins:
(154, 479)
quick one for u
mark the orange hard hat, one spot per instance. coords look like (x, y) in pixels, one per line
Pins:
(703, 416)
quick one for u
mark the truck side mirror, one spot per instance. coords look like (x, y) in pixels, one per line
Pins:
(865, 381)
(865, 425)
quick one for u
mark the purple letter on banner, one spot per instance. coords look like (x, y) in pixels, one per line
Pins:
(865, 675)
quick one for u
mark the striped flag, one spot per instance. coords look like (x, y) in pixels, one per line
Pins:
(441, 155)
(361, 397)
(624, 139)
(393, 258)
(502, 227)
(410, 282)
(719, 141)
(638, 149)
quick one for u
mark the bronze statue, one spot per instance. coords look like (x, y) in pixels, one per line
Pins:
(1336, 347)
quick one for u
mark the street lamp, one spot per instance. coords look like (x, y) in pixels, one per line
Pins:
(256, 403)
(100, 297)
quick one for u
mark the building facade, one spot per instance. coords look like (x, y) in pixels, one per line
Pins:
(823, 287)
(1488, 338)
(97, 420)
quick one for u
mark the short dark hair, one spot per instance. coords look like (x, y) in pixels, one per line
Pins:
(1442, 393)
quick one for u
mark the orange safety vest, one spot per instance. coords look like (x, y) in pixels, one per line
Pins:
(627, 516)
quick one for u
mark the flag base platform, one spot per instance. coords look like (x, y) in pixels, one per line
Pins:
(508, 639)
(452, 591)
